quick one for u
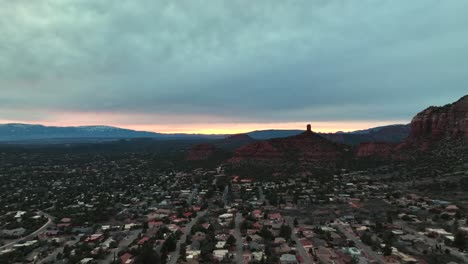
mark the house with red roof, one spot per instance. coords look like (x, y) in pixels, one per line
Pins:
(126, 258)
(143, 241)
(155, 224)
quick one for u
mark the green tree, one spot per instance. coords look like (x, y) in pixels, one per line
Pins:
(285, 231)
(231, 241)
(460, 240)
(169, 245)
(296, 223)
(354, 260)
(148, 255)
(387, 250)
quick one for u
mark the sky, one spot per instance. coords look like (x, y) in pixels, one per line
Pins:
(230, 66)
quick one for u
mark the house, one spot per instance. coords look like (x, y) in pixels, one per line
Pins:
(220, 244)
(126, 258)
(325, 254)
(192, 255)
(353, 251)
(94, 238)
(275, 216)
(87, 261)
(143, 241)
(282, 249)
(258, 255)
(288, 259)
(17, 232)
(155, 224)
(220, 254)
(257, 214)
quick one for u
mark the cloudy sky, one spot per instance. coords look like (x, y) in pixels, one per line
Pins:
(229, 66)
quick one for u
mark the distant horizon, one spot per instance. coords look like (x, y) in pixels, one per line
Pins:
(230, 128)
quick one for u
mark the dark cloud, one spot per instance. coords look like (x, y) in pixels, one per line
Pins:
(258, 61)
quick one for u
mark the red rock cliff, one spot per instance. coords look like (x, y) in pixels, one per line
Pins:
(435, 123)
(375, 149)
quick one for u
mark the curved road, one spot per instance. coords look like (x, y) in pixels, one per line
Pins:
(33, 234)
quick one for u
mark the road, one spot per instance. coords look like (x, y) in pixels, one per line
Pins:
(261, 195)
(430, 241)
(183, 238)
(192, 195)
(225, 194)
(131, 236)
(33, 234)
(357, 241)
(238, 237)
(304, 254)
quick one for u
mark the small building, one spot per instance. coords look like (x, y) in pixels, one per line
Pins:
(288, 259)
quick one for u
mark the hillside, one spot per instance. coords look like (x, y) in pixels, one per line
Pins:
(307, 147)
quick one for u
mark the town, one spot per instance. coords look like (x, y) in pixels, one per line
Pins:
(120, 208)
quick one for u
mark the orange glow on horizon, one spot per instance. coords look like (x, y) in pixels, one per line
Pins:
(222, 128)
(236, 128)
(192, 124)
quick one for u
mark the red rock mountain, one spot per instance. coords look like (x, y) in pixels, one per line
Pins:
(375, 149)
(201, 152)
(436, 123)
(429, 127)
(306, 147)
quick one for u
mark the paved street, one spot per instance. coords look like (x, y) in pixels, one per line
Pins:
(238, 237)
(33, 234)
(183, 238)
(301, 250)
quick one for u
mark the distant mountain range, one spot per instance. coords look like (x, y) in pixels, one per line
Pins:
(29, 132)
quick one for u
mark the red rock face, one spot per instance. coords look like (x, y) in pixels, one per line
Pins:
(375, 149)
(427, 128)
(436, 123)
(306, 147)
(201, 152)
(262, 150)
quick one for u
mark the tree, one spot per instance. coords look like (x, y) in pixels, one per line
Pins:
(387, 250)
(148, 255)
(354, 260)
(169, 245)
(389, 218)
(266, 234)
(460, 240)
(285, 231)
(366, 238)
(231, 241)
(296, 223)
